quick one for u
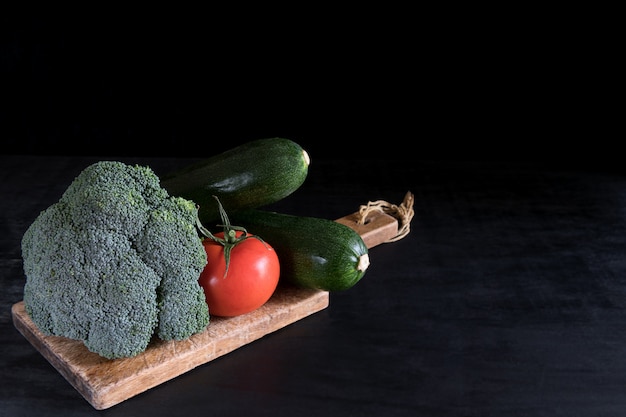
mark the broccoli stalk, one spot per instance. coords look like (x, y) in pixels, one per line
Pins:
(114, 262)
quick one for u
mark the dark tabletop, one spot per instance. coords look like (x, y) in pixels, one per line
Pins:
(507, 298)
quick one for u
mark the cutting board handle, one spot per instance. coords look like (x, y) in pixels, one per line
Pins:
(381, 222)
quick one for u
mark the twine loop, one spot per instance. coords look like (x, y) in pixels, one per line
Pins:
(403, 213)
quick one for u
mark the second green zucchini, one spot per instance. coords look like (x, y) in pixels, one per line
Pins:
(313, 252)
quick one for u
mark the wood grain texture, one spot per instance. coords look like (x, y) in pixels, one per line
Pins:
(379, 227)
(105, 383)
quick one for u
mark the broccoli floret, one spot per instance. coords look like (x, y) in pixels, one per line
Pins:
(115, 262)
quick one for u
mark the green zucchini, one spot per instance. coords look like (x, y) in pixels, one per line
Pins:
(251, 175)
(313, 252)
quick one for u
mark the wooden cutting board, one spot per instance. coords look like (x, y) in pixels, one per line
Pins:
(105, 383)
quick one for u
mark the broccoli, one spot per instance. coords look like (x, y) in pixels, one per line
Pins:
(115, 262)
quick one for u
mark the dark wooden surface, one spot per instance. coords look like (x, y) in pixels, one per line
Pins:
(508, 298)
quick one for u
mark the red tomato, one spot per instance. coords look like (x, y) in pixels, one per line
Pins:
(252, 276)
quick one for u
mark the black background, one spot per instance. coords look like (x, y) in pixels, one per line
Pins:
(367, 84)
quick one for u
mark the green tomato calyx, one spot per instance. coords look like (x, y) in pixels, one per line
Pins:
(230, 239)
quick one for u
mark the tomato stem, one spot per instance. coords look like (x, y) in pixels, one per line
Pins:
(230, 239)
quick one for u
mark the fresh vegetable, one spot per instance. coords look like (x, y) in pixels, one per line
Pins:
(250, 281)
(242, 270)
(313, 252)
(251, 175)
(115, 261)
